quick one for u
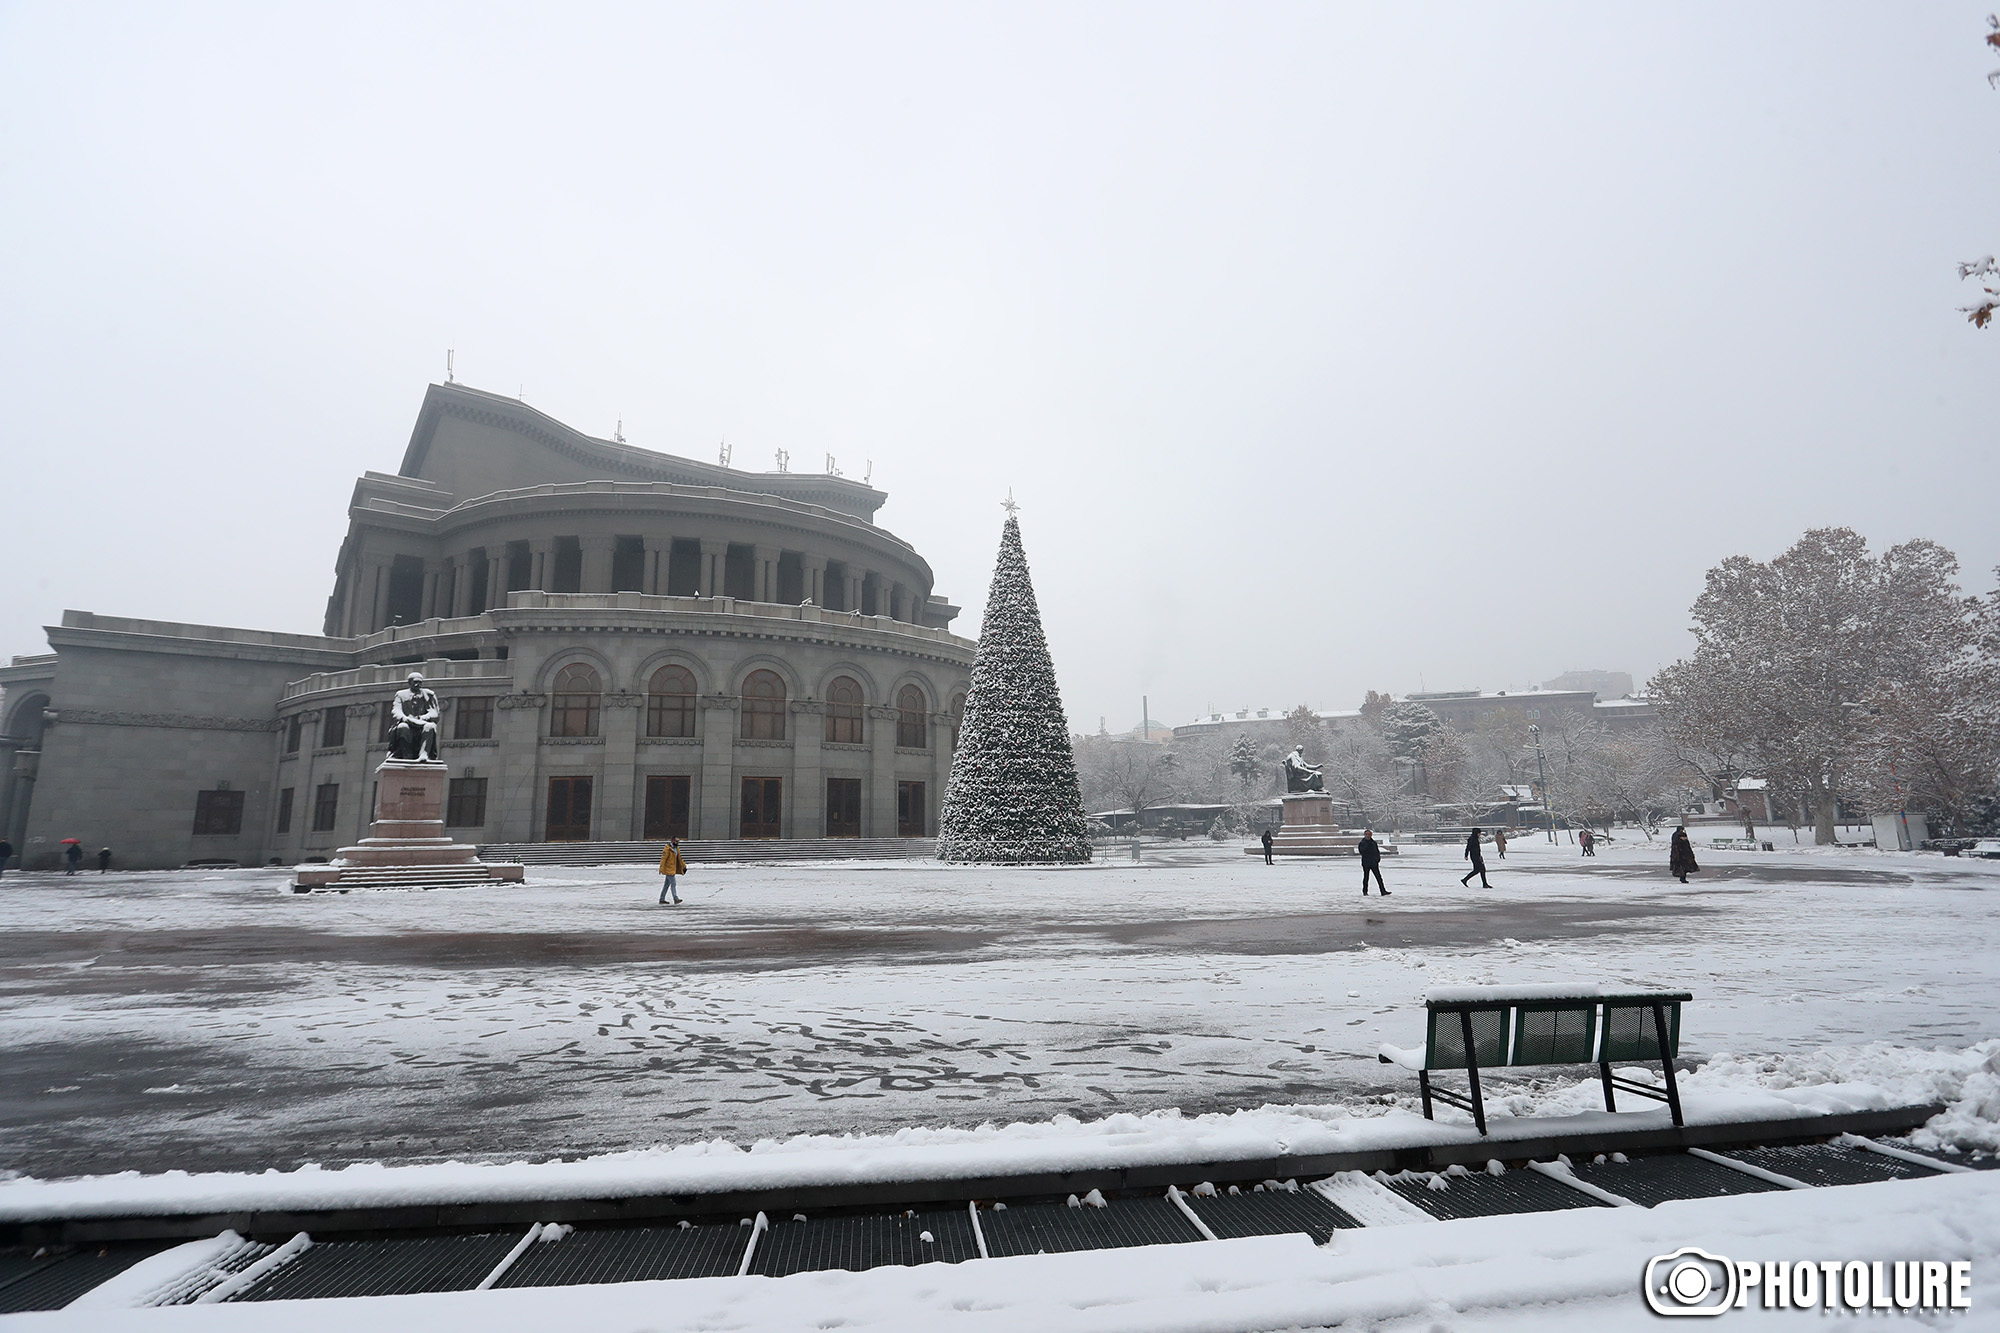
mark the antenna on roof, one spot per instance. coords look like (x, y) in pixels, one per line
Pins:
(868, 476)
(618, 431)
(722, 455)
(832, 468)
(448, 379)
(784, 461)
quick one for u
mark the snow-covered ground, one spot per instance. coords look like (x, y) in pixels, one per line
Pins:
(212, 1020)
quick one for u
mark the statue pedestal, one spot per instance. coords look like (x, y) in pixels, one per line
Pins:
(407, 846)
(1311, 830)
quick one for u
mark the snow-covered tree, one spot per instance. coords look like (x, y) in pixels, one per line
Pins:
(1984, 270)
(1013, 796)
(1246, 762)
(1791, 655)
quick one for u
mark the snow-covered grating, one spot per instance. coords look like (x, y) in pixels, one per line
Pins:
(1270, 1212)
(1966, 1161)
(1831, 1164)
(1462, 1193)
(190, 1286)
(1056, 1228)
(394, 1267)
(1669, 1176)
(51, 1281)
(628, 1254)
(861, 1243)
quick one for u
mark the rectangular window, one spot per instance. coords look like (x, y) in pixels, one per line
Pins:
(326, 804)
(909, 809)
(667, 807)
(285, 810)
(843, 807)
(294, 729)
(333, 727)
(474, 719)
(465, 806)
(218, 814)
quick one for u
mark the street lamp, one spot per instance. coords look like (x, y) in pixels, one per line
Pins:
(1548, 815)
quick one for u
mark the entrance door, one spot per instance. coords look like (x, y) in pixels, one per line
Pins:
(909, 809)
(843, 807)
(569, 810)
(666, 808)
(763, 804)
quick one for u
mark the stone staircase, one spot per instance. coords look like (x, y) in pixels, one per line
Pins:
(711, 850)
(411, 877)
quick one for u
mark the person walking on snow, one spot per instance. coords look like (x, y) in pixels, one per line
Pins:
(1473, 855)
(72, 858)
(1500, 842)
(1371, 861)
(1680, 857)
(103, 859)
(1267, 847)
(672, 864)
(1589, 841)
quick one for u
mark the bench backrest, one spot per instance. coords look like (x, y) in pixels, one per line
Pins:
(1552, 1031)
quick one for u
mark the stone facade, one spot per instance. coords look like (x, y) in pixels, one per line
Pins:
(625, 644)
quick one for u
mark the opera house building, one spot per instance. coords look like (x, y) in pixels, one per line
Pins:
(627, 646)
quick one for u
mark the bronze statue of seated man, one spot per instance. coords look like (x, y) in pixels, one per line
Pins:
(413, 722)
(1301, 776)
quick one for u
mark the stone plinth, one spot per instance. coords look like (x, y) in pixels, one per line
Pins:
(407, 846)
(1311, 830)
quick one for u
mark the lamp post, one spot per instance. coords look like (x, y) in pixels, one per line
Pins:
(1548, 815)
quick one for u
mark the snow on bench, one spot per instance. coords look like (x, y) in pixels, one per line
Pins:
(1470, 1027)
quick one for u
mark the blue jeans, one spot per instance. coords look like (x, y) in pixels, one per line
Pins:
(668, 888)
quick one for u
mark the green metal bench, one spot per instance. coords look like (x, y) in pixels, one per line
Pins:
(1493, 1027)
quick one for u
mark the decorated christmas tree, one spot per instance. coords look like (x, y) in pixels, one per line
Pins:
(1013, 796)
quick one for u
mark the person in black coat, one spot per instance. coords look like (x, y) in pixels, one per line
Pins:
(1680, 855)
(1473, 854)
(1371, 861)
(72, 858)
(103, 859)
(6, 853)
(1267, 847)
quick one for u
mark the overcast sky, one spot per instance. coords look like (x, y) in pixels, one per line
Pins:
(1326, 348)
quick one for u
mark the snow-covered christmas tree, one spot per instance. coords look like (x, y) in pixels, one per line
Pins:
(1013, 796)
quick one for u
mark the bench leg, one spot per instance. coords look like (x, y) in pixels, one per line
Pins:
(1667, 1062)
(1472, 1071)
(1604, 1072)
(1424, 1085)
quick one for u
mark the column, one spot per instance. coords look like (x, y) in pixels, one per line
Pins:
(516, 797)
(767, 573)
(880, 819)
(814, 567)
(376, 581)
(617, 811)
(715, 816)
(940, 768)
(713, 557)
(856, 579)
(659, 556)
(805, 795)
(541, 557)
(432, 569)
(597, 553)
(496, 577)
(349, 602)
(901, 608)
(461, 583)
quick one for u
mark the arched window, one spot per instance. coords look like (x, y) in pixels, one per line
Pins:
(843, 711)
(912, 721)
(577, 694)
(957, 717)
(763, 706)
(670, 702)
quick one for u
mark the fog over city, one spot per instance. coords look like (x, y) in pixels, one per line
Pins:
(1325, 348)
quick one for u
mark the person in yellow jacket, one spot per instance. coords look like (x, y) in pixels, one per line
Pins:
(672, 864)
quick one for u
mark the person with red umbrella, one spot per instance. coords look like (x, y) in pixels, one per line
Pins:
(72, 855)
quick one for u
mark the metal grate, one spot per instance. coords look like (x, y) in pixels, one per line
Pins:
(1631, 1034)
(1046, 1228)
(1983, 1162)
(1830, 1164)
(53, 1281)
(1271, 1213)
(1555, 1036)
(630, 1254)
(1447, 1038)
(189, 1287)
(861, 1243)
(1656, 1180)
(1477, 1194)
(386, 1267)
